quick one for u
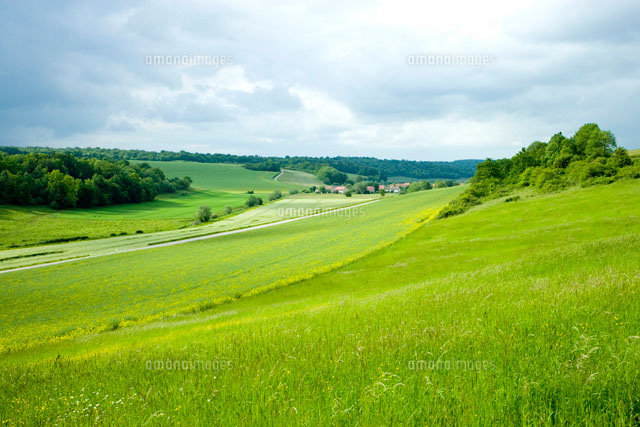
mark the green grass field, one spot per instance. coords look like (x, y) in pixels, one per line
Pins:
(216, 185)
(635, 154)
(28, 226)
(22, 226)
(291, 207)
(90, 294)
(223, 177)
(514, 313)
(165, 206)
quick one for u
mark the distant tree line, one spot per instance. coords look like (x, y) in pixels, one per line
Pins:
(62, 180)
(370, 167)
(269, 165)
(589, 157)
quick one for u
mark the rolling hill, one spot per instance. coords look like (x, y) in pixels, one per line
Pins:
(534, 302)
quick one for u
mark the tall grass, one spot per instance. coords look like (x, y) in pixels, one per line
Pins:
(515, 313)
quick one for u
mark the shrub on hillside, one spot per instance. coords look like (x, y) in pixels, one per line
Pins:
(276, 195)
(203, 214)
(253, 201)
(590, 157)
(419, 186)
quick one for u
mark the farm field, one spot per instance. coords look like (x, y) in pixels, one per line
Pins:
(29, 226)
(90, 295)
(291, 207)
(166, 206)
(513, 313)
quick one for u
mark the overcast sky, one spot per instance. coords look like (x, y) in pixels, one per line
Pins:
(318, 78)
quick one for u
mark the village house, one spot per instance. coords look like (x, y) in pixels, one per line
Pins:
(396, 188)
(339, 189)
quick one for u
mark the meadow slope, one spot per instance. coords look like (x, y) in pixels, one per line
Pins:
(112, 291)
(229, 178)
(513, 313)
(290, 207)
(296, 178)
(215, 185)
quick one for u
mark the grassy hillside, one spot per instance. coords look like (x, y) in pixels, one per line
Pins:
(225, 177)
(513, 313)
(28, 226)
(291, 207)
(634, 154)
(219, 185)
(165, 206)
(92, 294)
(297, 178)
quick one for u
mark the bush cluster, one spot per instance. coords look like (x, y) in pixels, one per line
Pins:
(587, 158)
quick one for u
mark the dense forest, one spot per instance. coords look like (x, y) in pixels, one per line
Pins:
(589, 157)
(62, 180)
(365, 166)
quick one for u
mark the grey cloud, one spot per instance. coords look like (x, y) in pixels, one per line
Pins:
(75, 73)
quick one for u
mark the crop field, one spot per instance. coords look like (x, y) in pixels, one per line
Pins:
(38, 225)
(166, 206)
(291, 207)
(65, 300)
(298, 205)
(20, 226)
(521, 313)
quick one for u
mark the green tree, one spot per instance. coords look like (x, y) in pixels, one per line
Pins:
(275, 195)
(591, 142)
(88, 193)
(553, 148)
(330, 175)
(253, 201)
(419, 186)
(61, 190)
(620, 158)
(203, 214)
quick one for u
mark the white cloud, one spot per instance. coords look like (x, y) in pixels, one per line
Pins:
(322, 109)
